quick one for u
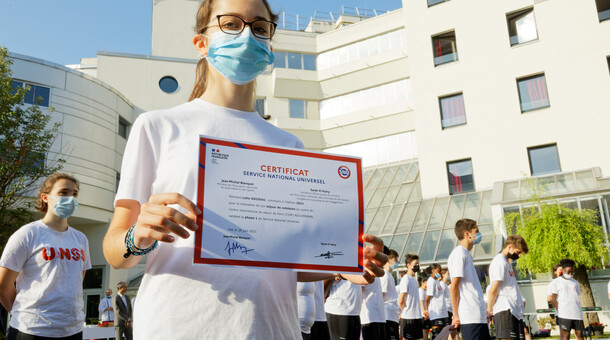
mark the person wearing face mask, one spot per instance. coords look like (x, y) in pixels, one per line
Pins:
(50, 249)
(565, 298)
(154, 207)
(106, 310)
(390, 297)
(411, 323)
(469, 310)
(435, 300)
(505, 299)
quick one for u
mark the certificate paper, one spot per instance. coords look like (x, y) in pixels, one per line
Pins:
(281, 208)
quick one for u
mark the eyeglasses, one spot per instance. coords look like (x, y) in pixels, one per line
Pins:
(232, 24)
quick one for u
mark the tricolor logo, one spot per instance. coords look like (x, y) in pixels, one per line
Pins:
(344, 172)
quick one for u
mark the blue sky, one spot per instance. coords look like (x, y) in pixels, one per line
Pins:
(63, 31)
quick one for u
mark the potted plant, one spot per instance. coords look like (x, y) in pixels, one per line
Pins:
(546, 323)
(598, 328)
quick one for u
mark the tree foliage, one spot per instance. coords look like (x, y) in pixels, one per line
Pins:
(26, 136)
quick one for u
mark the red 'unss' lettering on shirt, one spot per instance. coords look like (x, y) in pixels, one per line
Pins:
(64, 254)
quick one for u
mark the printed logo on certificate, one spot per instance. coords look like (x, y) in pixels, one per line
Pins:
(278, 208)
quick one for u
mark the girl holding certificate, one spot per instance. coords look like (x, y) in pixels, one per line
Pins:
(154, 209)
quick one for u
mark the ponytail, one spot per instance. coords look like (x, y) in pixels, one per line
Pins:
(201, 76)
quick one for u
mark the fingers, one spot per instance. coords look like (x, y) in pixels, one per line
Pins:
(175, 198)
(374, 240)
(375, 256)
(157, 221)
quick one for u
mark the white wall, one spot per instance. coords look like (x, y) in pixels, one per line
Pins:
(496, 137)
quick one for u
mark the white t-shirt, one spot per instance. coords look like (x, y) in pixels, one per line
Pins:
(319, 297)
(345, 298)
(422, 300)
(161, 157)
(549, 290)
(306, 303)
(50, 264)
(447, 297)
(568, 304)
(106, 315)
(509, 295)
(373, 309)
(471, 308)
(390, 299)
(412, 310)
(437, 308)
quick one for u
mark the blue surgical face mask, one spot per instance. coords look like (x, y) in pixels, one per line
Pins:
(64, 206)
(239, 58)
(437, 275)
(395, 265)
(477, 238)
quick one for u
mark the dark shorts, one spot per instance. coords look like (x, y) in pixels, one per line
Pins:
(508, 326)
(426, 324)
(373, 331)
(475, 331)
(442, 322)
(15, 334)
(411, 328)
(343, 326)
(391, 330)
(569, 324)
(319, 331)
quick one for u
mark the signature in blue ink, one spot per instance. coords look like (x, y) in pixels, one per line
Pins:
(233, 247)
(330, 255)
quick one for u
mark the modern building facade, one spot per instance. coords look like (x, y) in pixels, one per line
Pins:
(451, 104)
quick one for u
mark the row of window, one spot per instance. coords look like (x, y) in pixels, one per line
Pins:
(362, 49)
(533, 95)
(542, 159)
(37, 94)
(296, 61)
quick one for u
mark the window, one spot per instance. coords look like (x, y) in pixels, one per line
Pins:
(521, 26)
(37, 94)
(603, 9)
(532, 93)
(544, 159)
(295, 61)
(93, 278)
(444, 48)
(117, 181)
(460, 176)
(434, 2)
(259, 106)
(168, 84)
(452, 110)
(123, 126)
(298, 108)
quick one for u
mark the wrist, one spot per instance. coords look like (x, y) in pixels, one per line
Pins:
(130, 244)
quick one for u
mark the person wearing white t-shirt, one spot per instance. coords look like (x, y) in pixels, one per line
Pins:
(390, 297)
(565, 299)
(469, 310)
(422, 283)
(505, 299)
(307, 307)
(105, 308)
(154, 207)
(43, 266)
(342, 308)
(411, 323)
(372, 314)
(435, 300)
(319, 329)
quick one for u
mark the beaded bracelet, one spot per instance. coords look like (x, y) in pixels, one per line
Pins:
(131, 247)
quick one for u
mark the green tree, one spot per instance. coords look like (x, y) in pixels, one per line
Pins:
(553, 232)
(26, 135)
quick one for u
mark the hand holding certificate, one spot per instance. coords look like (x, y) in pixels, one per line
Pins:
(281, 208)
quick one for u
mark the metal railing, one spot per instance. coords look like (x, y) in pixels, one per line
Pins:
(300, 23)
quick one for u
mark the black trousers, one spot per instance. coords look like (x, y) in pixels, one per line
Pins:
(319, 331)
(15, 334)
(373, 331)
(343, 327)
(124, 331)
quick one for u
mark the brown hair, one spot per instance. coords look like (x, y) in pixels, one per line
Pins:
(444, 270)
(203, 18)
(464, 225)
(392, 254)
(46, 188)
(518, 242)
(410, 258)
